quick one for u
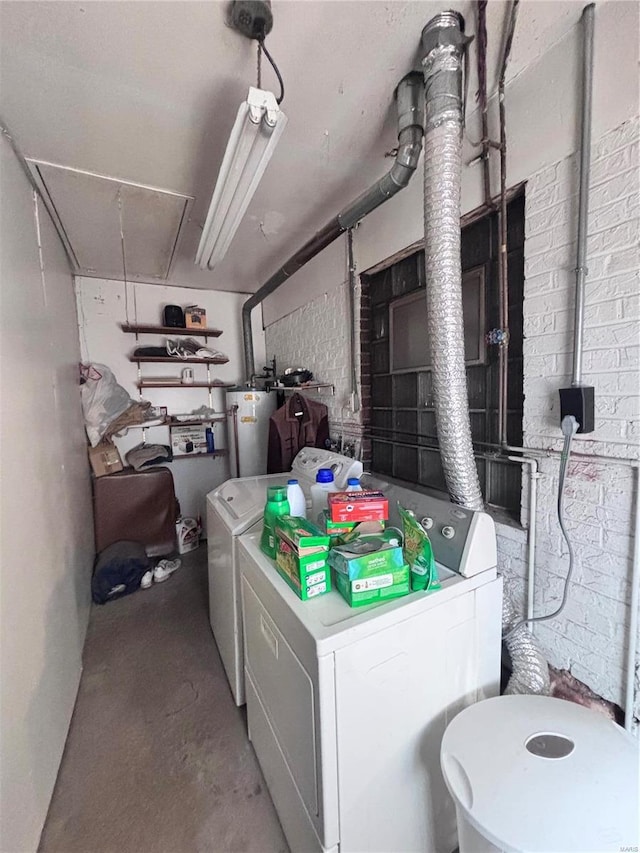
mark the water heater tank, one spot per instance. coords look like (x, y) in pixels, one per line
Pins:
(249, 412)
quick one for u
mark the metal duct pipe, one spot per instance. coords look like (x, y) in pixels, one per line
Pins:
(583, 203)
(529, 669)
(444, 43)
(410, 130)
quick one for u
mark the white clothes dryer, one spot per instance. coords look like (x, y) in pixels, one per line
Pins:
(347, 707)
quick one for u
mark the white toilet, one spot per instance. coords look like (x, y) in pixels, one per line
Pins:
(532, 773)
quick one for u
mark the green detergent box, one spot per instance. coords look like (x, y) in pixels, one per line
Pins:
(338, 531)
(377, 588)
(335, 530)
(369, 569)
(301, 556)
(365, 556)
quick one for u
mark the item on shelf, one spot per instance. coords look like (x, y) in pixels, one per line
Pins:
(150, 352)
(202, 413)
(188, 348)
(173, 316)
(195, 317)
(187, 376)
(210, 440)
(144, 455)
(188, 439)
(105, 459)
(155, 413)
(294, 376)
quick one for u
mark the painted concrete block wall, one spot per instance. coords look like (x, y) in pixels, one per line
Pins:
(47, 525)
(103, 305)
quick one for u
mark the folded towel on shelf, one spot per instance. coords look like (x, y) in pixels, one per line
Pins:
(144, 455)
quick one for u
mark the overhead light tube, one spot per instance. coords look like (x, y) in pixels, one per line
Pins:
(258, 127)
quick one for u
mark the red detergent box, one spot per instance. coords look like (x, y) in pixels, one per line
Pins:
(358, 506)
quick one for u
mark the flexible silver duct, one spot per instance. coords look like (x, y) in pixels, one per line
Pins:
(443, 41)
(530, 670)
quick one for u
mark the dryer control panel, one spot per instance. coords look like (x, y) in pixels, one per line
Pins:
(463, 540)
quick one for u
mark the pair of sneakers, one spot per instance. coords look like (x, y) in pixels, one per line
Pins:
(160, 573)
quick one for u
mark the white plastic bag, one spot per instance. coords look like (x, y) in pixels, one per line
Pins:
(103, 400)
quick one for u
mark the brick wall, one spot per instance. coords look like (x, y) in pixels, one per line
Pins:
(590, 636)
(316, 336)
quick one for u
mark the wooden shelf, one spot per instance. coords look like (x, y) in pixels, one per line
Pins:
(146, 329)
(314, 386)
(196, 422)
(192, 455)
(169, 423)
(168, 359)
(151, 384)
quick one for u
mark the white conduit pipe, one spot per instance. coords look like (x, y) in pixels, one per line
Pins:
(629, 700)
(534, 476)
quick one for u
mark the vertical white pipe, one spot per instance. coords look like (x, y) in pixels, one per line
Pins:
(534, 476)
(583, 202)
(633, 616)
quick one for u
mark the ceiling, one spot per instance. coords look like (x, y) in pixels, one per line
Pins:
(147, 92)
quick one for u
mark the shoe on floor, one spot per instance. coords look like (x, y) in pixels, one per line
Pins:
(165, 569)
(147, 580)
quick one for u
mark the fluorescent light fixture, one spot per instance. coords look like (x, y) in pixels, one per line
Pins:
(257, 129)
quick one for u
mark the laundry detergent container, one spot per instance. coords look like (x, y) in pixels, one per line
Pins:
(532, 773)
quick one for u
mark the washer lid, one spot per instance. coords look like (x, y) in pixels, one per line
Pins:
(240, 502)
(540, 774)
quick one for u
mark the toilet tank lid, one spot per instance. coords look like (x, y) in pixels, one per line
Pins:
(537, 773)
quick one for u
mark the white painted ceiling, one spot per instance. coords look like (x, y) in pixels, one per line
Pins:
(147, 92)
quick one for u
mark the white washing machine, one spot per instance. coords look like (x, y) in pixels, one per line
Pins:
(234, 508)
(347, 707)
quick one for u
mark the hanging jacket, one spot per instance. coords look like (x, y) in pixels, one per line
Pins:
(301, 422)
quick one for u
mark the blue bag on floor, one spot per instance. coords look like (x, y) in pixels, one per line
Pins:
(118, 571)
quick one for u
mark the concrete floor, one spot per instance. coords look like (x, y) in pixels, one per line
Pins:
(157, 759)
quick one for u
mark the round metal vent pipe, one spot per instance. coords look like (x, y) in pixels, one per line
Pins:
(409, 98)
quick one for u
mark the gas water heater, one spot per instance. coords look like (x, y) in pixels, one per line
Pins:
(249, 410)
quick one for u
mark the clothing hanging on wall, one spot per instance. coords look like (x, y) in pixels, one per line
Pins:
(301, 422)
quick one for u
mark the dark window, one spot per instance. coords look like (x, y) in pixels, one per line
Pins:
(401, 413)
